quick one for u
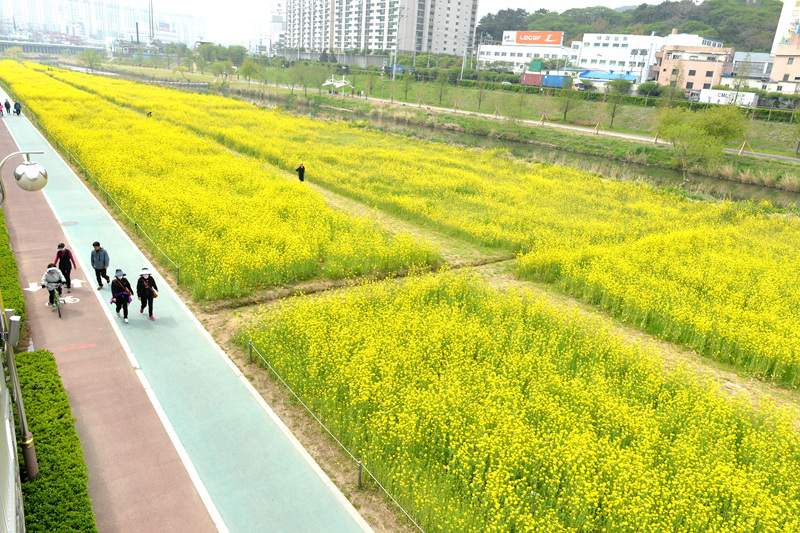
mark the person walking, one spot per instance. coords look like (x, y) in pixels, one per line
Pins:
(52, 280)
(8, 107)
(301, 171)
(121, 293)
(17, 108)
(100, 264)
(65, 263)
(146, 290)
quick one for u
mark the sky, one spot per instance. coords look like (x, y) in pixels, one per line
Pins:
(238, 20)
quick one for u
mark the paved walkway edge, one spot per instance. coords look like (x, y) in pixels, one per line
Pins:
(202, 491)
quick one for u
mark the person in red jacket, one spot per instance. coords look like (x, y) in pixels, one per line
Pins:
(65, 263)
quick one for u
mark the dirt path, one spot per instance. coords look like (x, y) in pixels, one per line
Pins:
(500, 276)
(456, 252)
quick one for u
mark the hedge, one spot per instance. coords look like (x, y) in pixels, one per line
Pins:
(58, 498)
(9, 278)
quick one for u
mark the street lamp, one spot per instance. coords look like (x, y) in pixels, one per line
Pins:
(28, 176)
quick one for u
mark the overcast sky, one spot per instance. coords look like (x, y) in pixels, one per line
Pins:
(238, 20)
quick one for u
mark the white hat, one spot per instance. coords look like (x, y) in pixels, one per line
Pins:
(144, 272)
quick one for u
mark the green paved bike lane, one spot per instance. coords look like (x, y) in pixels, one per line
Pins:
(256, 473)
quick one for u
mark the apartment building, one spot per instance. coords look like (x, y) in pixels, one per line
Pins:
(408, 26)
(693, 62)
(519, 48)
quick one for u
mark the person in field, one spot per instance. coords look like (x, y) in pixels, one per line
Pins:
(8, 107)
(146, 290)
(17, 108)
(65, 263)
(301, 171)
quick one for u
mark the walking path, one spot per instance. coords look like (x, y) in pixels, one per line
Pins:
(236, 456)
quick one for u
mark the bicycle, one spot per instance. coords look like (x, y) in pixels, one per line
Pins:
(57, 298)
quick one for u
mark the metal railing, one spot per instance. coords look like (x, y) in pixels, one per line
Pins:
(358, 462)
(73, 160)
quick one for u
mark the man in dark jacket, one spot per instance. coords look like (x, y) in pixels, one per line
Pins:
(301, 170)
(100, 264)
(17, 108)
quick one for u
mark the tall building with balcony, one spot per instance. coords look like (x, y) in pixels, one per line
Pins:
(408, 26)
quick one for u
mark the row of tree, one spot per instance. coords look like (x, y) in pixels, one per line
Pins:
(743, 24)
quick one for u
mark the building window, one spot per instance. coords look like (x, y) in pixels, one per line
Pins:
(764, 87)
(706, 86)
(780, 88)
(583, 61)
(605, 45)
(624, 45)
(692, 73)
(612, 62)
(616, 45)
(596, 45)
(709, 73)
(602, 61)
(790, 61)
(689, 85)
(594, 61)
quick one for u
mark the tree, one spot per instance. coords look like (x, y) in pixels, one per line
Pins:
(481, 87)
(14, 51)
(505, 20)
(406, 82)
(90, 58)
(201, 64)
(236, 54)
(248, 69)
(300, 74)
(567, 98)
(692, 135)
(441, 82)
(617, 89)
(648, 89)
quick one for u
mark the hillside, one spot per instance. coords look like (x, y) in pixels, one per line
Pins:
(747, 25)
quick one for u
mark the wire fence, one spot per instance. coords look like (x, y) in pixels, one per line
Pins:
(73, 160)
(358, 462)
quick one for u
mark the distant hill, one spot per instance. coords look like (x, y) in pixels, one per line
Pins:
(625, 8)
(747, 25)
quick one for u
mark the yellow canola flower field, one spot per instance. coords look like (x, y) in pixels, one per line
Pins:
(486, 411)
(719, 277)
(230, 222)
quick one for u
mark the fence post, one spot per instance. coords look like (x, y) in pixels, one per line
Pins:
(136, 227)
(359, 475)
(179, 274)
(250, 346)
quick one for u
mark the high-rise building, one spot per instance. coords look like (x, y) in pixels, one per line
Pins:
(408, 26)
(97, 19)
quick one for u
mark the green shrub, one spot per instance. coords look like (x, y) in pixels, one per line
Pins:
(9, 280)
(58, 498)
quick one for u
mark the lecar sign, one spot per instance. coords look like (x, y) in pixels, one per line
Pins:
(545, 38)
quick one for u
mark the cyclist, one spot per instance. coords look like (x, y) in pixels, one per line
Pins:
(52, 280)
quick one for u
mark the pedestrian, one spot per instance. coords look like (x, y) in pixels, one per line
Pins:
(100, 264)
(146, 290)
(301, 170)
(121, 293)
(65, 263)
(52, 280)
(17, 108)
(8, 107)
